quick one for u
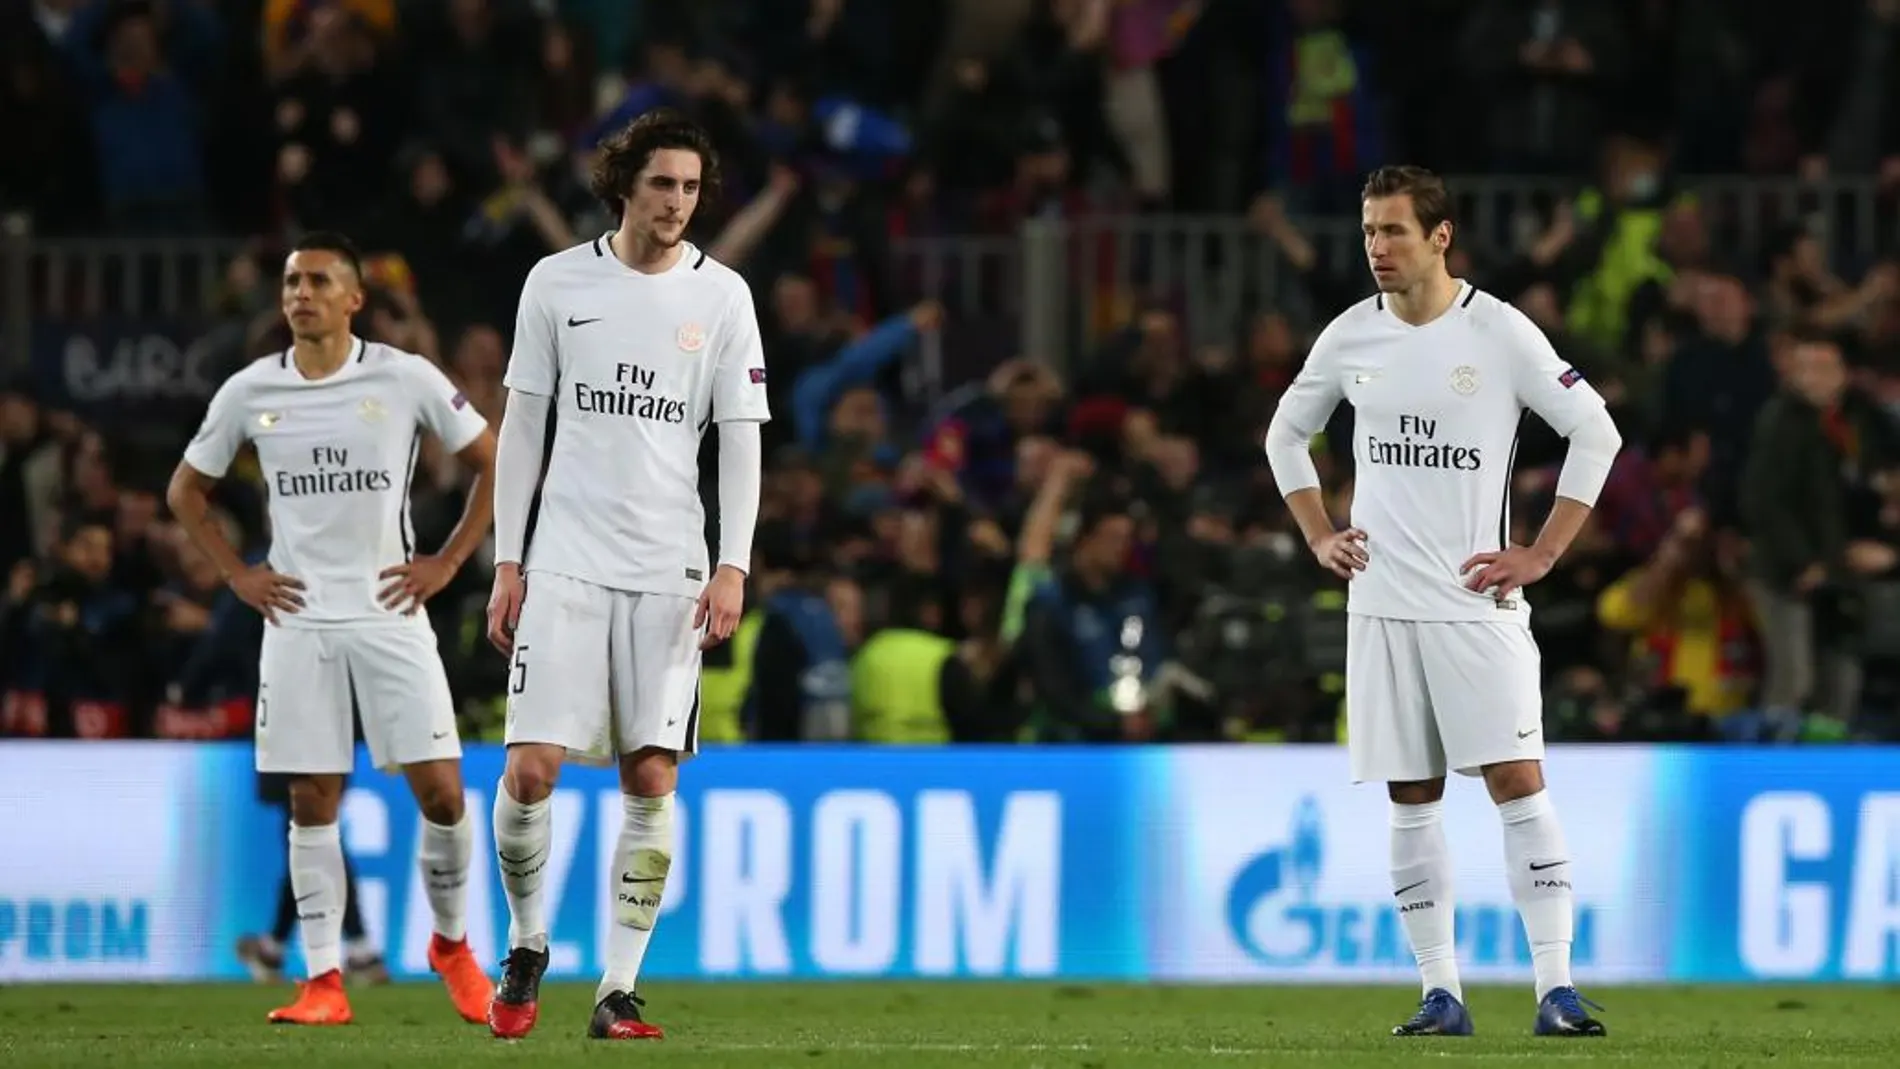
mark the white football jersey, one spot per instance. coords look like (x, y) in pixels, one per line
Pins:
(337, 456)
(638, 366)
(1436, 415)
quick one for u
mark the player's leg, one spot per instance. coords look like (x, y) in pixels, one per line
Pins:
(655, 681)
(557, 702)
(1486, 676)
(1392, 739)
(304, 730)
(409, 721)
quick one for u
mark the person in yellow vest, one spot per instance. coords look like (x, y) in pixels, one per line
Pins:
(723, 686)
(916, 687)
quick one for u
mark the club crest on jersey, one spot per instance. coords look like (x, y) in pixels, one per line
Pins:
(267, 420)
(371, 410)
(1464, 380)
(691, 338)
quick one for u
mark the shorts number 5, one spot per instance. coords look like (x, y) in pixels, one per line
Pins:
(518, 680)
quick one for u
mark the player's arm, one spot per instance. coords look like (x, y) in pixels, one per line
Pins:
(1557, 392)
(533, 373)
(446, 412)
(188, 496)
(739, 409)
(1302, 413)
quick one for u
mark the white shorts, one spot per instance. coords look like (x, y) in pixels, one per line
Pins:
(1425, 695)
(307, 677)
(604, 672)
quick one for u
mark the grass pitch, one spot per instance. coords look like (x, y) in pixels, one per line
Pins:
(924, 1026)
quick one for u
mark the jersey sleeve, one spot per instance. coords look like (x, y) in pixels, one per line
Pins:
(442, 408)
(1543, 382)
(739, 366)
(533, 366)
(222, 433)
(1302, 413)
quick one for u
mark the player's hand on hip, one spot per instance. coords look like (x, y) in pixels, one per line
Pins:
(1342, 552)
(1503, 571)
(413, 583)
(720, 606)
(504, 606)
(268, 592)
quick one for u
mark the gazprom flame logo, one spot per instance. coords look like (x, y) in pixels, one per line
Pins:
(1270, 904)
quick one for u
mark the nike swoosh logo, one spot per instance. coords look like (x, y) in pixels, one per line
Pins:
(308, 897)
(1409, 887)
(1528, 734)
(624, 878)
(1363, 379)
(440, 735)
(522, 860)
(572, 322)
(1535, 867)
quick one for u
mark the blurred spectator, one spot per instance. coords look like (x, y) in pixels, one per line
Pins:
(1553, 69)
(1693, 645)
(1324, 125)
(1093, 641)
(335, 117)
(1822, 458)
(49, 168)
(145, 122)
(76, 637)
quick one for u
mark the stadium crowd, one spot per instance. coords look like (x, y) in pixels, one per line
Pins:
(1082, 546)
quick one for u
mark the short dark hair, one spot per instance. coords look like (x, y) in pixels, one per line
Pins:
(331, 241)
(1431, 201)
(626, 152)
(1675, 435)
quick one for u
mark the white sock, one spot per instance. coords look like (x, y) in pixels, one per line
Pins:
(1539, 866)
(523, 835)
(638, 879)
(444, 863)
(317, 882)
(1422, 892)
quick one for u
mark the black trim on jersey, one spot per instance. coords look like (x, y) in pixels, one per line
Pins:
(283, 360)
(701, 260)
(541, 478)
(597, 251)
(362, 349)
(408, 479)
(1504, 506)
(1470, 292)
(1378, 301)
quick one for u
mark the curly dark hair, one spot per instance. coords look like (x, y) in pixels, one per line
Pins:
(626, 152)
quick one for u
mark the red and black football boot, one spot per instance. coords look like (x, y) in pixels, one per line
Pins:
(618, 1017)
(518, 998)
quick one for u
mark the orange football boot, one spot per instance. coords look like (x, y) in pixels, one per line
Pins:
(469, 987)
(320, 1000)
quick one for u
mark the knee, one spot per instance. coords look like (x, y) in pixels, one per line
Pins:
(531, 773)
(440, 799)
(649, 773)
(314, 800)
(1512, 780)
(1418, 792)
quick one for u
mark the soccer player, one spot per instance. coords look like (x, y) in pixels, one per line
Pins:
(632, 343)
(1441, 669)
(336, 422)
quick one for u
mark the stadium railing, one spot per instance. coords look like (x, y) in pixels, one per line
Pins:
(1050, 292)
